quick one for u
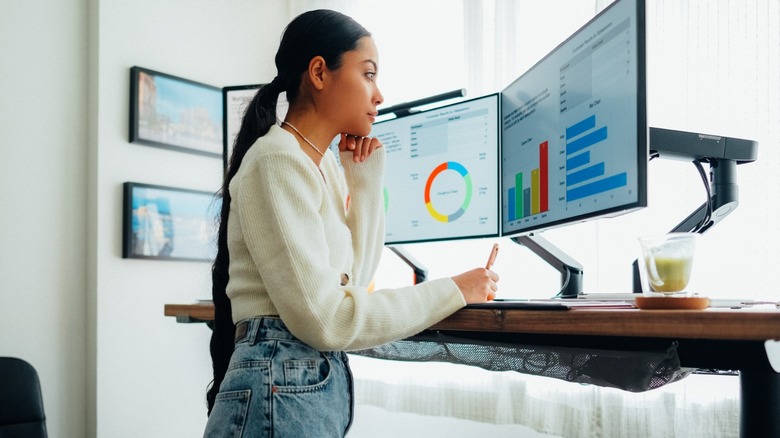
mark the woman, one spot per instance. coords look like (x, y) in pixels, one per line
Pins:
(300, 240)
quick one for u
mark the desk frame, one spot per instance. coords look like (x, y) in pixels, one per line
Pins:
(713, 339)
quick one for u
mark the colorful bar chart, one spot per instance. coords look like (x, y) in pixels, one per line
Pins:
(527, 199)
(583, 177)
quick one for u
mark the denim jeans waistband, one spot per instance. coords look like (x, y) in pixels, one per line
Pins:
(262, 327)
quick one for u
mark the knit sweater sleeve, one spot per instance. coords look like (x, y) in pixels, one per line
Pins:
(365, 215)
(285, 236)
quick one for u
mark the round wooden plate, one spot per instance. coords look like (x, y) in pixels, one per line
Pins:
(688, 303)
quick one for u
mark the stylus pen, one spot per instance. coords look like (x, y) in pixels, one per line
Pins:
(492, 258)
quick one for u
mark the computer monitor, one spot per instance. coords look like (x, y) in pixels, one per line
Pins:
(574, 127)
(441, 177)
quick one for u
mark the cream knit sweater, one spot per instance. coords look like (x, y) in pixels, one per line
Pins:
(298, 252)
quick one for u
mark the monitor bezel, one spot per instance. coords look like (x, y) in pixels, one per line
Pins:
(497, 212)
(642, 133)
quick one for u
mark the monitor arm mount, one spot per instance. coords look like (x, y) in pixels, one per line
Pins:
(420, 271)
(401, 110)
(570, 269)
(723, 155)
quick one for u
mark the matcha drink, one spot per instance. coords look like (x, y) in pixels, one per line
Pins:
(673, 273)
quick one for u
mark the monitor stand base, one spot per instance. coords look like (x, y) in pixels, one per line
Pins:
(420, 271)
(570, 269)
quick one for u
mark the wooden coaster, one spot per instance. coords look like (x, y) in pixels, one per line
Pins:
(687, 303)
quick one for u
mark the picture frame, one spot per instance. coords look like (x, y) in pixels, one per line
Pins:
(234, 103)
(175, 113)
(169, 223)
(235, 99)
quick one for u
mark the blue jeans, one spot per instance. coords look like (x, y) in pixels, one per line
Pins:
(277, 386)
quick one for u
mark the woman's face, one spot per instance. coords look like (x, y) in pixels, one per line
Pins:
(352, 97)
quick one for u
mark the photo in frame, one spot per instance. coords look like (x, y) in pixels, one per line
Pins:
(235, 100)
(168, 223)
(175, 113)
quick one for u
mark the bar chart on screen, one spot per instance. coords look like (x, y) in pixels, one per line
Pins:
(584, 175)
(528, 198)
(568, 147)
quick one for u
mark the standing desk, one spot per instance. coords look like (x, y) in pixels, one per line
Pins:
(745, 340)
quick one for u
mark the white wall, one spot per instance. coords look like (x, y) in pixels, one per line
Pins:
(89, 321)
(152, 373)
(43, 143)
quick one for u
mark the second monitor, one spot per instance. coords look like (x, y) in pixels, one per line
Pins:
(574, 142)
(442, 179)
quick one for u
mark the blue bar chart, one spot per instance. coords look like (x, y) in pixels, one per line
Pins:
(584, 177)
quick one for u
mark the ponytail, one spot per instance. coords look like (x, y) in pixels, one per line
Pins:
(258, 119)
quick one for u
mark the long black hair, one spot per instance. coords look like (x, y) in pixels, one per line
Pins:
(315, 33)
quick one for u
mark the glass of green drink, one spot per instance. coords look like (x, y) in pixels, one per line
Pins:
(668, 260)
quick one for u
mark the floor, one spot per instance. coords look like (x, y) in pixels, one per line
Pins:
(374, 422)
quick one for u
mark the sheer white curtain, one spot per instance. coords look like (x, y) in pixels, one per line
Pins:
(421, 50)
(506, 37)
(713, 67)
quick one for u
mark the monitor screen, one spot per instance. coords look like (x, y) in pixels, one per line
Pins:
(574, 127)
(441, 177)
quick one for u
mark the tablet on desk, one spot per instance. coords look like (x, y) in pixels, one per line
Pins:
(519, 304)
(552, 304)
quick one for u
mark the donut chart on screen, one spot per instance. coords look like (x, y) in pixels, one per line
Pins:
(442, 172)
(457, 167)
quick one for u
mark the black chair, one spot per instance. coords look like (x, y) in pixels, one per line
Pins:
(21, 404)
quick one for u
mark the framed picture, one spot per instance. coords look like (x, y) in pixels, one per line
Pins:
(168, 223)
(175, 113)
(234, 103)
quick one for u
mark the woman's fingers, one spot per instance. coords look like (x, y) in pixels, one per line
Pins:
(361, 147)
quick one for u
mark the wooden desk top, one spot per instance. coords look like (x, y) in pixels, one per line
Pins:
(198, 312)
(750, 324)
(736, 324)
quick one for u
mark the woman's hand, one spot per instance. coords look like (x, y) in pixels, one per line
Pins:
(361, 147)
(478, 285)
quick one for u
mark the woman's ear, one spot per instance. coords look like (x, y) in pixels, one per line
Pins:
(317, 70)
